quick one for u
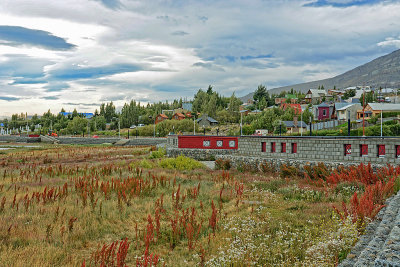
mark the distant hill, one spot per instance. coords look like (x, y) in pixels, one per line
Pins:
(383, 71)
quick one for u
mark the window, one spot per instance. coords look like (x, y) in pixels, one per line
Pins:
(206, 143)
(219, 143)
(397, 151)
(232, 143)
(347, 149)
(381, 150)
(273, 147)
(294, 147)
(363, 150)
(324, 112)
(283, 147)
(263, 147)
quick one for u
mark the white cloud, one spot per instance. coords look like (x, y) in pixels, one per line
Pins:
(180, 46)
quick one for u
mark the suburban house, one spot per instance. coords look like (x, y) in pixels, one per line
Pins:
(325, 111)
(205, 121)
(160, 118)
(178, 116)
(343, 110)
(373, 109)
(315, 96)
(296, 107)
(295, 126)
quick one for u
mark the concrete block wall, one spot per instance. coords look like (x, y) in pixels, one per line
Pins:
(322, 149)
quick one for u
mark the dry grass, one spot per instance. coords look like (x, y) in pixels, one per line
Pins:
(68, 205)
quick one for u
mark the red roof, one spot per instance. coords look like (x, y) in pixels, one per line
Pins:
(163, 116)
(179, 115)
(296, 107)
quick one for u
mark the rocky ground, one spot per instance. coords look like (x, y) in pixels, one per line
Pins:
(380, 245)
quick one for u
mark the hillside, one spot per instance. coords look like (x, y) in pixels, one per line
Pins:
(383, 71)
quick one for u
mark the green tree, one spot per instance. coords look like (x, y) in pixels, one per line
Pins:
(260, 93)
(77, 126)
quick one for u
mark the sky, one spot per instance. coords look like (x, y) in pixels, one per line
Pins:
(81, 53)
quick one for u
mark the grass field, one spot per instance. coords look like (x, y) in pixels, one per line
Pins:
(117, 206)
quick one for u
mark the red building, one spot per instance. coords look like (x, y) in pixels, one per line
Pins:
(178, 116)
(160, 118)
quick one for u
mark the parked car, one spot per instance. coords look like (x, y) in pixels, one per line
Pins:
(387, 99)
(140, 125)
(132, 127)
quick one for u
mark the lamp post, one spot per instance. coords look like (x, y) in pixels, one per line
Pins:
(301, 122)
(348, 122)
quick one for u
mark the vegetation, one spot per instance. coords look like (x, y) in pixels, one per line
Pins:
(94, 206)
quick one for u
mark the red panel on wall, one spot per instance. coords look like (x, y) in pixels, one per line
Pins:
(208, 142)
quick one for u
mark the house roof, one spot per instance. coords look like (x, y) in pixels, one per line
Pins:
(208, 118)
(291, 124)
(179, 114)
(317, 92)
(342, 105)
(384, 106)
(163, 116)
(347, 106)
(323, 105)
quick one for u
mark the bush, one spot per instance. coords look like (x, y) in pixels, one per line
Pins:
(157, 154)
(221, 164)
(180, 163)
(287, 171)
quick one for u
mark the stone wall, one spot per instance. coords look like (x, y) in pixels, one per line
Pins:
(199, 154)
(18, 139)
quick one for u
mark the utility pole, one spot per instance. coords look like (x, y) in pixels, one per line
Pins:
(364, 112)
(348, 122)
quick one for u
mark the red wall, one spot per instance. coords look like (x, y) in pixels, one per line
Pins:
(197, 142)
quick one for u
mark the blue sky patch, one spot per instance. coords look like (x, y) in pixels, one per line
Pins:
(17, 36)
(75, 73)
(343, 3)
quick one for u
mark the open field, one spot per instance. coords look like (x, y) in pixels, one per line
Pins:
(117, 206)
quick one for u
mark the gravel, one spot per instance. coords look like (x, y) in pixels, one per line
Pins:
(380, 244)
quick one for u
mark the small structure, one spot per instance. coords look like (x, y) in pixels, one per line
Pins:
(325, 111)
(205, 121)
(315, 96)
(178, 116)
(343, 110)
(294, 126)
(160, 118)
(254, 112)
(373, 109)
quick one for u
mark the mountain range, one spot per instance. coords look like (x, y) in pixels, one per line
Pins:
(380, 72)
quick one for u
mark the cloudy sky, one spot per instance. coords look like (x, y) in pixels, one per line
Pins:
(80, 53)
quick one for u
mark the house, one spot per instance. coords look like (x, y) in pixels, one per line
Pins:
(314, 96)
(205, 121)
(280, 100)
(343, 110)
(295, 126)
(188, 114)
(296, 107)
(373, 109)
(160, 117)
(178, 116)
(325, 111)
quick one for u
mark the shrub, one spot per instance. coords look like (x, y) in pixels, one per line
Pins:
(221, 164)
(157, 154)
(287, 171)
(180, 163)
